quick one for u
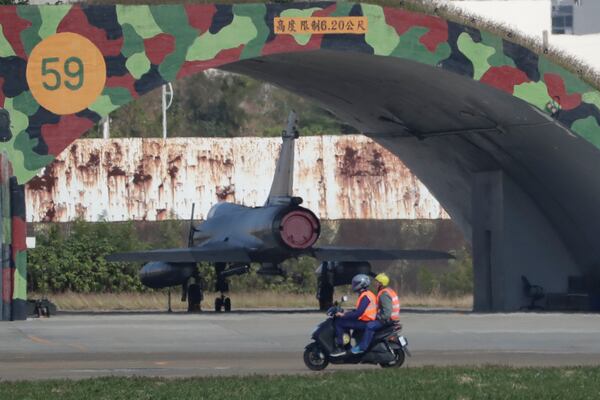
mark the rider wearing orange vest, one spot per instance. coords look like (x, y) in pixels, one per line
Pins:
(365, 312)
(387, 300)
(388, 308)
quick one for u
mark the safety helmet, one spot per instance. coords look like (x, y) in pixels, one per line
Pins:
(360, 282)
(383, 279)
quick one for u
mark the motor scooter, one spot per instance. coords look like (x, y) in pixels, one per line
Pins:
(388, 347)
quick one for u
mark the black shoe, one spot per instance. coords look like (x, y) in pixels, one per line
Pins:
(337, 352)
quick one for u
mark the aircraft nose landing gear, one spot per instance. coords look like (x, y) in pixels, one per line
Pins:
(222, 303)
(222, 286)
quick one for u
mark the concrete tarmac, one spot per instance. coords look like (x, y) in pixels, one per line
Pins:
(160, 344)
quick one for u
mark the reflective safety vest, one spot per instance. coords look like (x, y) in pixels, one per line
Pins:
(370, 313)
(395, 302)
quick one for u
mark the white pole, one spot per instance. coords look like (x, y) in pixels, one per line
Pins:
(106, 128)
(167, 90)
(164, 111)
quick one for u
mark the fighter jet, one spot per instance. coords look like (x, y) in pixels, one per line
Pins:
(234, 236)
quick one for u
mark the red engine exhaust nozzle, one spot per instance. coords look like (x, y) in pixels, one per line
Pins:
(299, 229)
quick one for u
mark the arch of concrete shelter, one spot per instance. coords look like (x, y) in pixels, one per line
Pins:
(449, 99)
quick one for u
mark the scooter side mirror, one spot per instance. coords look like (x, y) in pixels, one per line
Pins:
(344, 299)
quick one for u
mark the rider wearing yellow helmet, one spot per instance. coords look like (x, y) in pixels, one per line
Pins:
(388, 308)
(387, 300)
(383, 279)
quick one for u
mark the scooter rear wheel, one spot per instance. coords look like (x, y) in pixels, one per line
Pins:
(314, 358)
(400, 357)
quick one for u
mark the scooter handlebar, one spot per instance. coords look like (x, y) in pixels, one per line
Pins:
(334, 310)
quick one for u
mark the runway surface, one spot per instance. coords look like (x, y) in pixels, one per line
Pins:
(161, 344)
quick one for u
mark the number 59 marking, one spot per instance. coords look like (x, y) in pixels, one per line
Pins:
(72, 68)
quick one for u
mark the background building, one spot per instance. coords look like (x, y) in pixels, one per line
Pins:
(572, 25)
(339, 177)
(575, 17)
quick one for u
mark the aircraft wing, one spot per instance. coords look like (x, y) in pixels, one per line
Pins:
(366, 254)
(206, 253)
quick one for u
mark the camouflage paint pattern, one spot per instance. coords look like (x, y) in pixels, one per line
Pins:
(6, 272)
(18, 250)
(13, 248)
(146, 46)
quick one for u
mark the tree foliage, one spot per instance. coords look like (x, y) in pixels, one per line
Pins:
(221, 104)
(71, 258)
(75, 261)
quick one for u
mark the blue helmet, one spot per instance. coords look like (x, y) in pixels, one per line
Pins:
(360, 282)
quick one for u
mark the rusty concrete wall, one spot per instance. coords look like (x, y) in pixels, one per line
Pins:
(339, 177)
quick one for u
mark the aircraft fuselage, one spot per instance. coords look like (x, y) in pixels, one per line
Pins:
(271, 233)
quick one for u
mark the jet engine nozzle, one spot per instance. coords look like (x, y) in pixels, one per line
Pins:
(299, 228)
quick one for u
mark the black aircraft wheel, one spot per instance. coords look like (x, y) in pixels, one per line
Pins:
(218, 304)
(42, 311)
(400, 357)
(314, 358)
(227, 304)
(194, 297)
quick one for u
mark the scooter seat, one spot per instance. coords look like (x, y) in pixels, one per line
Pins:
(385, 331)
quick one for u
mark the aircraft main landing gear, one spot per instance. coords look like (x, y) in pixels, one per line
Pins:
(194, 297)
(191, 291)
(325, 287)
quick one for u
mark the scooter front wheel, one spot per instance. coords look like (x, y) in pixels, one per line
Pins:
(314, 358)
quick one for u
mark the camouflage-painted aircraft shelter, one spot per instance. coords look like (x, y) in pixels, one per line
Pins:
(506, 139)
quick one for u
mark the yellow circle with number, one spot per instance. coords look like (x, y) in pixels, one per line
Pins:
(66, 73)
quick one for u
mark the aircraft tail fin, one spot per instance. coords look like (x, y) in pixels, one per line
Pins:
(283, 180)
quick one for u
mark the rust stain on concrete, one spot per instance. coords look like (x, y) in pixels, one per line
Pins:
(339, 177)
(46, 181)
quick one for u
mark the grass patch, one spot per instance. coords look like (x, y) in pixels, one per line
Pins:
(409, 383)
(158, 301)
(437, 301)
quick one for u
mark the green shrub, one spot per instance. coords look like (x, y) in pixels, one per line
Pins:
(456, 281)
(75, 261)
(71, 258)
